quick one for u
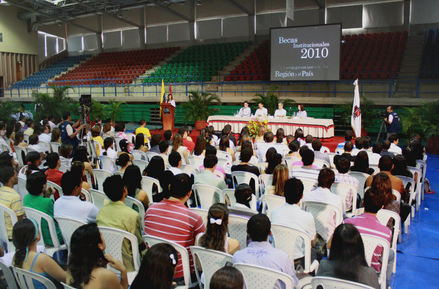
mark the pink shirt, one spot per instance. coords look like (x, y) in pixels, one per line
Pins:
(300, 163)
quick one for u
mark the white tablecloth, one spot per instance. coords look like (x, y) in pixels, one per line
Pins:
(319, 128)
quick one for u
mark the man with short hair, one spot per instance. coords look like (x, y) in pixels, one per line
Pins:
(394, 141)
(375, 156)
(68, 132)
(269, 143)
(9, 197)
(207, 176)
(29, 127)
(45, 135)
(53, 174)
(172, 220)
(348, 147)
(368, 223)
(69, 205)
(343, 166)
(291, 215)
(175, 162)
(33, 144)
(308, 141)
(307, 169)
(386, 147)
(155, 141)
(348, 136)
(243, 196)
(260, 252)
(392, 121)
(261, 111)
(323, 194)
(386, 165)
(187, 141)
(318, 155)
(142, 129)
(163, 147)
(168, 135)
(117, 215)
(245, 156)
(245, 111)
(51, 120)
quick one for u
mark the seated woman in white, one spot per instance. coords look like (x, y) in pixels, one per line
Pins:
(302, 112)
(280, 112)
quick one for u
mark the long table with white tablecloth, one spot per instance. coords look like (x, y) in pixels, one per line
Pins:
(317, 127)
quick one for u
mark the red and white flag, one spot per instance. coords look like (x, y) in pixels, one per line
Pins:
(356, 111)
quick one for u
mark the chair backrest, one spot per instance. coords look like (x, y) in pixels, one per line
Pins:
(22, 191)
(308, 184)
(37, 216)
(139, 155)
(370, 244)
(64, 169)
(68, 226)
(130, 137)
(91, 148)
(114, 239)
(206, 195)
(321, 212)
(262, 166)
(189, 169)
(321, 164)
(264, 181)
(223, 162)
(343, 189)
(230, 193)
(335, 283)
(101, 176)
(203, 214)
(384, 216)
(239, 177)
(55, 186)
(25, 279)
(45, 146)
(98, 198)
(406, 180)
(289, 162)
(87, 195)
(55, 146)
(26, 138)
(183, 254)
(9, 276)
(195, 161)
(141, 164)
(258, 277)
(21, 154)
(324, 149)
(285, 239)
(67, 286)
(6, 213)
(117, 140)
(238, 229)
(150, 155)
(361, 177)
(269, 202)
(331, 158)
(107, 163)
(130, 202)
(148, 184)
(396, 194)
(210, 260)
(224, 154)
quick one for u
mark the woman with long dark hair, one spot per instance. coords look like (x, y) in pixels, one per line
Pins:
(133, 181)
(178, 146)
(200, 146)
(87, 262)
(80, 169)
(123, 161)
(280, 176)
(158, 268)
(81, 155)
(274, 160)
(33, 161)
(140, 143)
(361, 163)
(299, 136)
(25, 236)
(346, 258)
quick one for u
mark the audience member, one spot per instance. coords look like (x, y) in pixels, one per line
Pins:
(7, 160)
(68, 132)
(179, 147)
(307, 169)
(394, 141)
(260, 252)
(33, 145)
(140, 143)
(243, 196)
(172, 220)
(308, 141)
(33, 160)
(167, 135)
(361, 164)
(294, 149)
(299, 136)
(208, 176)
(82, 156)
(280, 176)
(53, 174)
(348, 147)
(107, 130)
(187, 141)
(175, 162)
(19, 140)
(374, 158)
(69, 205)
(261, 133)
(133, 181)
(56, 135)
(155, 140)
(348, 136)
(96, 137)
(318, 155)
(45, 135)
(163, 147)
(120, 129)
(30, 127)
(123, 161)
(386, 147)
(65, 150)
(87, 262)
(117, 215)
(227, 277)
(9, 197)
(155, 169)
(385, 165)
(200, 146)
(274, 160)
(80, 169)
(142, 129)
(342, 166)
(347, 258)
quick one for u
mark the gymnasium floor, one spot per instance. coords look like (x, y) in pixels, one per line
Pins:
(418, 254)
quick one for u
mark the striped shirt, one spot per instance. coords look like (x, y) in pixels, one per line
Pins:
(173, 221)
(369, 224)
(11, 199)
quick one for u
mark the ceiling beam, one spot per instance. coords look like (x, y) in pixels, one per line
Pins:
(234, 2)
(50, 16)
(107, 13)
(165, 8)
(320, 3)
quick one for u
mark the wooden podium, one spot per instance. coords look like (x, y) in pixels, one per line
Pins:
(168, 116)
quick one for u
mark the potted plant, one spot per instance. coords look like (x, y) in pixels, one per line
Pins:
(368, 115)
(54, 104)
(271, 100)
(7, 108)
(114, 109)
(98, 110)
(199, 107)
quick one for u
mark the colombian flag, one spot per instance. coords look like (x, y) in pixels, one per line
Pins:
(162, 96)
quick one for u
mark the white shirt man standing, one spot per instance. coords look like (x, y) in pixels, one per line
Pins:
(245, 111)
(261, 111)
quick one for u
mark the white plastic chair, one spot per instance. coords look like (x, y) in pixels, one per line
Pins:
(405, 180)
(64, 169)
(223, 162)
(98, 198)
(55, 146)
(182, 252)
(238, 229)
(68, 226)
(91, 148)
(239, 177)
(87, 195)
(206, 195)
(321, 164)
(335, 283)
(308, 184)
(210, 261)
(21, 154)
(339, 151)
(25, 279)
(67, 286)
(26, 138)
(130, 137)
(370, 244)
(3, 232)
(150, 155)
(139, 155)
(189, 170)
(264, 181)
(37, 216)
(361, 177)
(9, 276)
(285, 239)
(262, 166)
(117, 141)
(195, 161)
(419, 186)
(130, 202)
(107, 163)
(45, 146)
(22, 191)
(258, 277)
(324, 150)
(420, 164)
(321, 212)
(148, 184)
(230, 193)
(331, 158)
(342, 189)
(384, 216)
(397, 195)
(55, 186)
(203, 214)
(141, 164)
(289, 162)
(224, 154)
(269, 202)
(101, 176)
(114, 239)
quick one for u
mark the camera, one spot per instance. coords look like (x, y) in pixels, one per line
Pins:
(382, 114)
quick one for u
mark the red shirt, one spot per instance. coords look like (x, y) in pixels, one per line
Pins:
(173, 221)
(55, 177)
(189, 144)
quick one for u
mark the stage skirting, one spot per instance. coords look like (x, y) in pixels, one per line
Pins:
(319, 128)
